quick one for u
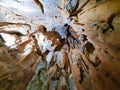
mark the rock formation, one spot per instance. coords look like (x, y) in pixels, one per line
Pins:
(82, 54)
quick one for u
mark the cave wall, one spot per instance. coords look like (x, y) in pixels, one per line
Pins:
(90, 64)
(100, 22)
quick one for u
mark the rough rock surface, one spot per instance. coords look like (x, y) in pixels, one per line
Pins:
(86, 58)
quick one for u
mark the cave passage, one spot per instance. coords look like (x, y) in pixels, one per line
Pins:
(59, 45)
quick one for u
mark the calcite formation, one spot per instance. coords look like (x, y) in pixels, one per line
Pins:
(84, 57)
